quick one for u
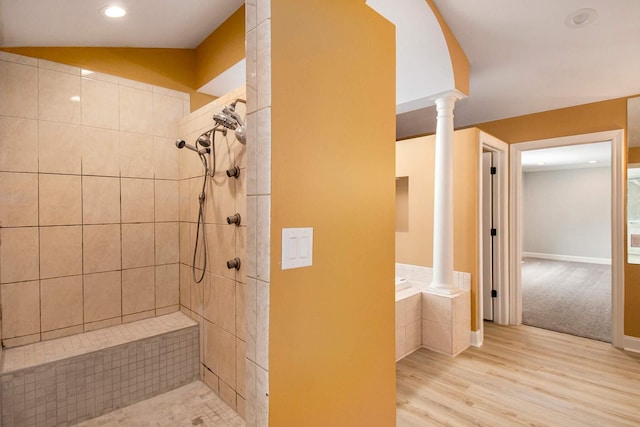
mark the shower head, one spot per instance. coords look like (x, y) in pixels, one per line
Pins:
(204, 140)
(230, 110)
(225, 120)
(181, 143)
(231, 120)
(241, 134)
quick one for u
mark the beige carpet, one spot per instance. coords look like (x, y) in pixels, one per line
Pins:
(569, 297)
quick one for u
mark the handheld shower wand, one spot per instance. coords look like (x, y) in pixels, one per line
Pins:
(181, 143)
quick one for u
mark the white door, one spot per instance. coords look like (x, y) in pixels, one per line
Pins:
(488, 285)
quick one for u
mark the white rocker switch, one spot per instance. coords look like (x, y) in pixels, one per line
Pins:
(297, 247)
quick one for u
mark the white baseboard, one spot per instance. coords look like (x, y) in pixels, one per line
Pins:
(569, 258)
(631, 344)
(477, 338)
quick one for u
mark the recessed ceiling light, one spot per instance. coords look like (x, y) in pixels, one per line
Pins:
(113, 11)
(580, 18)
(593, 161)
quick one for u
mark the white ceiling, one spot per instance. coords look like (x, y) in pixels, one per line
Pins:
(568, 157)
(523, 57)
(148, 23)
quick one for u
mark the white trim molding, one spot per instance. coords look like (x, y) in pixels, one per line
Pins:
(617, 222)
(569, 258)
(631, 344)
(501, 309)
(477, 338)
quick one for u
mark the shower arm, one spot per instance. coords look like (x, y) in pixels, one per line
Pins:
(212, 156)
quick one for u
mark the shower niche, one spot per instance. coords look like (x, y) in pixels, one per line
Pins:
(402, 204)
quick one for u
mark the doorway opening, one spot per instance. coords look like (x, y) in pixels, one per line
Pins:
(566, 240)
(519, 222)
(493, 255)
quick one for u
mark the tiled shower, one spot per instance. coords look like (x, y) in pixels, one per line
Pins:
(97, 205)
(218, 302)
(89, 189)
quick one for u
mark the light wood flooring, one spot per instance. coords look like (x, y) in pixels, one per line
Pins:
(521, 376)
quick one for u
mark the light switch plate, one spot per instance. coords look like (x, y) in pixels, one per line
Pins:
(297, 247)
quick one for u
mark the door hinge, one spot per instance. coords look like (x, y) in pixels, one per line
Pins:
(494, 232)
(494, 293)
(493, 170)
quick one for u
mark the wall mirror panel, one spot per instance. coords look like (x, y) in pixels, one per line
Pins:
(633, 180)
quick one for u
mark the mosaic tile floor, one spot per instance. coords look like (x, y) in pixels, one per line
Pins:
(194, 404)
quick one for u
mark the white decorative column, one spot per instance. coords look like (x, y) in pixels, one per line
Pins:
(443, 196)
(446, 309)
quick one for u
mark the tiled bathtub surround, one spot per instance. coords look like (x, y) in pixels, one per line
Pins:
(420, 276)
(408, 324)
(89, 219)
(218, 302)
(423, 319)
(109, 369)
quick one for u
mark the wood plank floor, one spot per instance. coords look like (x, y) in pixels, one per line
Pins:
(521, 376)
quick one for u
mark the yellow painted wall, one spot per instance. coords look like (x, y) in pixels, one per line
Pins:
(633, 155)
(588, 118)
(415, 158)
(332, 344)
(221, 49)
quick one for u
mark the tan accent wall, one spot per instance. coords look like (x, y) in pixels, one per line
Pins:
(332, 346)
(587, 118)
(415, 158)
(459, 61)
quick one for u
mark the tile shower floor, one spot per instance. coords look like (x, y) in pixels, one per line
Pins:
(194, 404)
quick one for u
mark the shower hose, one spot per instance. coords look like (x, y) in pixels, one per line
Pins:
(201, 199)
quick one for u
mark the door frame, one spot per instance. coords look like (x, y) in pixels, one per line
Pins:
(500, 151)
(616, 137)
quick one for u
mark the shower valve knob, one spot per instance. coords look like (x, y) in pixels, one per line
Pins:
(233, 263)
(234, 172)
(234, 219)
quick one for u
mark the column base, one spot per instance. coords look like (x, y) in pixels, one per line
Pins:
(446, 320)
(442, 289)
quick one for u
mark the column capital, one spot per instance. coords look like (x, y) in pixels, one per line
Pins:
(453, 93)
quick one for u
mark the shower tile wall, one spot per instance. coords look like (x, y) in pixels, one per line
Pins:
(218, 302)
(258, 36)
(89, 215)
